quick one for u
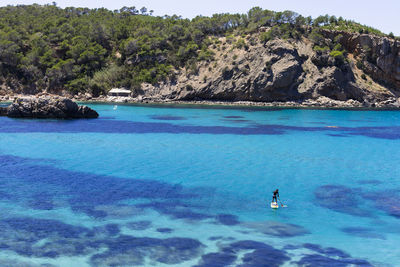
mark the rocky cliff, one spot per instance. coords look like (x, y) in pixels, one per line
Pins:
(380, 56)
(289, 70)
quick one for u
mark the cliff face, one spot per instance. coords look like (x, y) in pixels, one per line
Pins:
(380, 56)
(287, 70)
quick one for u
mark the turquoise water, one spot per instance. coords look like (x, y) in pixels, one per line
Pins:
(184, 186)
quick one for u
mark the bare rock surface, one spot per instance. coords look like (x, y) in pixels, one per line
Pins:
(47, 107)
(380, 56)
(290, 73)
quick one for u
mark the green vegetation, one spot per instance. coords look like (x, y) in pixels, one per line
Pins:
(321, 49)
(241, 44)
(338, 56)
(340, 24)
(359, 65)
(81, 49)
(338, 53)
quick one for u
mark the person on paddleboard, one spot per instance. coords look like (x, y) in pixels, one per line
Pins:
(275, 196)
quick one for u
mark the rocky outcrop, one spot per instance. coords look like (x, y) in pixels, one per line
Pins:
(276, 71)
(48, 107)
(379, 56)
(292, 71)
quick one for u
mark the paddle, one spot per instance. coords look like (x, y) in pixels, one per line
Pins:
(283, 206)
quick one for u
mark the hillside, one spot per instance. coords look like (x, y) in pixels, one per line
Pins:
(261, 56)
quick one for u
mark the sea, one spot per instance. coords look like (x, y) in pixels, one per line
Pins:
(185, 185)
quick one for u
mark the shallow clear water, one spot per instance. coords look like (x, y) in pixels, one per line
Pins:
(180, 186)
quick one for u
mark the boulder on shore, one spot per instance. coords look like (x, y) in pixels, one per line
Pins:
(48, 107)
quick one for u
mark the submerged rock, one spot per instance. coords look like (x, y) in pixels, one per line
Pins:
(47, 107)
(277, 229)
(338, 197)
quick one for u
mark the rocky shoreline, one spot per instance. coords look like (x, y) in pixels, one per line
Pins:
(46, 107)
(319, 103)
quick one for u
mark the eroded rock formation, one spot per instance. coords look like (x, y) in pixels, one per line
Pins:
(288, 70)
(47, 107)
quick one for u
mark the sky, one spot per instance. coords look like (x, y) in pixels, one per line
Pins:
(383, 15)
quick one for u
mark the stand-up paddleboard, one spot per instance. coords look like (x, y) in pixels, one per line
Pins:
(274, 205)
